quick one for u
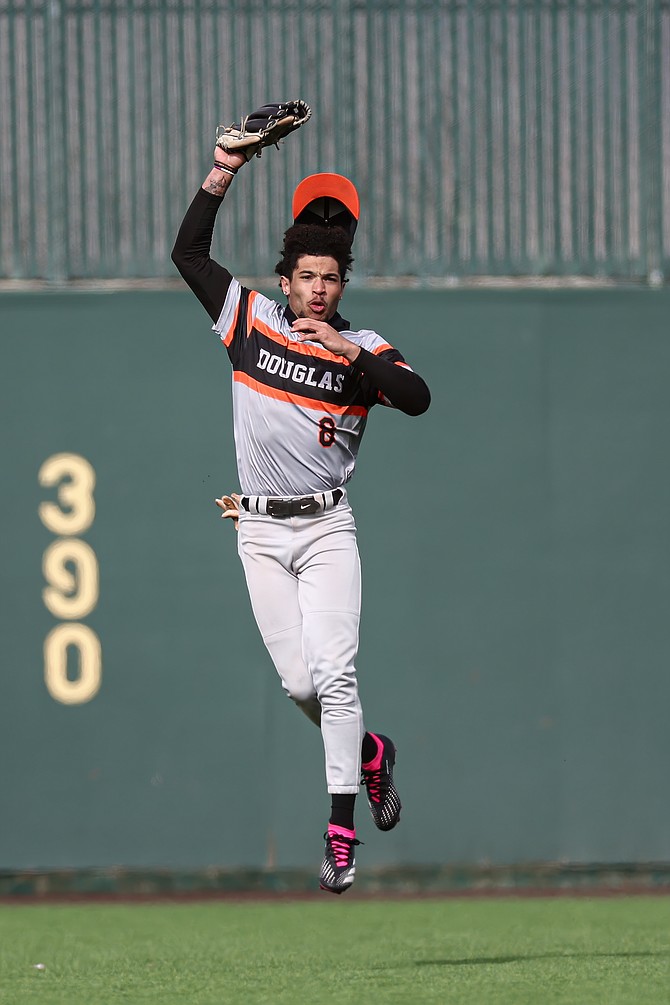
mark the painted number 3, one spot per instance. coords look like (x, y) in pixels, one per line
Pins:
(327, 431)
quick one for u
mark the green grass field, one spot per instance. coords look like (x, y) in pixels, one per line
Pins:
(471, 952)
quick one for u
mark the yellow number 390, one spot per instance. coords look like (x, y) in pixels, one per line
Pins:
(71, 570)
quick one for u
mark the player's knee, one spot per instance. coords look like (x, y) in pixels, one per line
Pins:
(301, 692)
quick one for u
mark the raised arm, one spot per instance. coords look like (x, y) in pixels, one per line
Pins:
(191, 253)
(235, 145)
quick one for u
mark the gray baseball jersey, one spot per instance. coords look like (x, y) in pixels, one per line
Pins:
(299, 412)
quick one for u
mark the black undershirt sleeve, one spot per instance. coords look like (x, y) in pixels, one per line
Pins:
(405, 389)
(208, 280)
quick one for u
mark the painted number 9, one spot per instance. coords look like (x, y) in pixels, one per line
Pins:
(71, 570)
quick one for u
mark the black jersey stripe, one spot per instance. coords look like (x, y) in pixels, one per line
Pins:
(285, 368)
(279, 394)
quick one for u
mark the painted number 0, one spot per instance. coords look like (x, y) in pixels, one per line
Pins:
(87, 657)
(327, 432)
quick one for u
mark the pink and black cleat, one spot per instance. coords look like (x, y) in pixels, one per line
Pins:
(377, 776)
(339, 863)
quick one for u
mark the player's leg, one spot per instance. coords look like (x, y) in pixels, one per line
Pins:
(273, 590)
(330, 600)
(329, 578)
(266, 548)
(329, 581)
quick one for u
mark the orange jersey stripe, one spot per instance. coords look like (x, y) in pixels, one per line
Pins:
(252, 296)
(297, 399)
(301, 347)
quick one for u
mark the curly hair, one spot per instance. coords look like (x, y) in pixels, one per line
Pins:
(314, 239)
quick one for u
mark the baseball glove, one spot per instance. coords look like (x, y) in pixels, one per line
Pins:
(263, 128)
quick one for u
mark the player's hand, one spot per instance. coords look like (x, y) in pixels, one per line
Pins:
(311, 330)
(235, 160)
(231, 507)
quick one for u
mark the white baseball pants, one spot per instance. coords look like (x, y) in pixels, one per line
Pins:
(304, 580)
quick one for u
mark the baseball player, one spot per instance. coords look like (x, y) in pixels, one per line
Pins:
(303, 383)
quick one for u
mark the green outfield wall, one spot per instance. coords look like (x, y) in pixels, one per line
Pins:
(515, 633)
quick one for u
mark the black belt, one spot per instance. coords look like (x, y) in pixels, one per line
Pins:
(302, 506)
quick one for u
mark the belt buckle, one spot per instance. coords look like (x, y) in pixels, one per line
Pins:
(278, 507)
(304, 507)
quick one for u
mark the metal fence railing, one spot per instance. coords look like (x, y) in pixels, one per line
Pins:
(486, 137)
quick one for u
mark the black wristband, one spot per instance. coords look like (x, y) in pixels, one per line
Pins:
(225, 167)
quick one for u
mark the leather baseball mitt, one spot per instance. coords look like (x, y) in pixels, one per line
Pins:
(263, 128)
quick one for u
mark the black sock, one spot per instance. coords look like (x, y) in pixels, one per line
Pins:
(342, 809)
(369, 749)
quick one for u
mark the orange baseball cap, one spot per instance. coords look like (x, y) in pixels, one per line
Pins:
(329, 199)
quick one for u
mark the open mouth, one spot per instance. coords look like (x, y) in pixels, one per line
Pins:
(317, 307)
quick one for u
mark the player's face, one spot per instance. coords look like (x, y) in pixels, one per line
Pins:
(315, 288)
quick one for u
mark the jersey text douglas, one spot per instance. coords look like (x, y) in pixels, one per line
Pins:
(301, 374)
